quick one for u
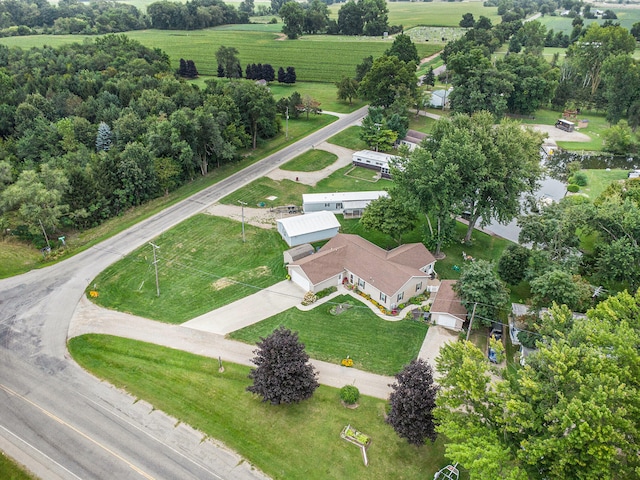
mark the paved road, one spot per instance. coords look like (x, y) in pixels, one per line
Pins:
(63, 423)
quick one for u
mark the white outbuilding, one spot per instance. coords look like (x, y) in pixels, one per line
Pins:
(312, 227)
(350, 204)
(377, 161)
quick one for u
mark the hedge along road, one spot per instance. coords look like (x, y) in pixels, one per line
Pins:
(59, 421)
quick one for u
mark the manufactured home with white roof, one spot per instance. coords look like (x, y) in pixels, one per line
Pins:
(350, 204)
(374, 160)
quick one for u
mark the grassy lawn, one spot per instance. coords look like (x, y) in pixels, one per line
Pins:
(597, 125)
(626, 18)
(310, 161)
(10, 470)
(420, 123)
(203, 264)
(16, 257)
(290, 193)
(300, 441)
(349, 138)
(374, 344)
(325, 93)
(599, 180)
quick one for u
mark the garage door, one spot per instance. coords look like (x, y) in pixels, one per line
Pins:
(298, 279)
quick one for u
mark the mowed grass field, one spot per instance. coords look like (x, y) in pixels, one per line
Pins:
(374, 344)
(321, 58)
(290, 442)
(202, 265)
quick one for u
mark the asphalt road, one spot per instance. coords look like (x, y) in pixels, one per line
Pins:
(61, 422)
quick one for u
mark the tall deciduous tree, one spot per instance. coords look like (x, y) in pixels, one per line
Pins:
(389, 216)
(389, 77)
(257, 110)
(283, 373)
(404, 49)
(227, 57)
(347, 89)
(479, 285)
(412, 402)
(292, 16)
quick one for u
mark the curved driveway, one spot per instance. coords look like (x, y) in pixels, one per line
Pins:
(62, 422)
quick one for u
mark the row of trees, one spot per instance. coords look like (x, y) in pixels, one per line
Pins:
(229, 67)
(194, 14)
(361, 17)
(104, 126)
(28, 17)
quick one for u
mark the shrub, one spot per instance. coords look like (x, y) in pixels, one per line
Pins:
(326, 292)
(349, 394)
(528, 339)
(573, 188)
(579, 178)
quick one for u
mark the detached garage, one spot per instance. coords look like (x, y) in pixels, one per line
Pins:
(308, 228)
(447, 310)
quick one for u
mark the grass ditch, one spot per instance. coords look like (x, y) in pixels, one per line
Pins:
(299, 441)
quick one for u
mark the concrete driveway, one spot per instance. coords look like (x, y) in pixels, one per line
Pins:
(252, 309)
(437, 336)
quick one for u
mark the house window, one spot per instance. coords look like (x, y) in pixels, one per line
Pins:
(327, 205)
(361, 283)
(400, 296)
(383, 297)
(419, 286)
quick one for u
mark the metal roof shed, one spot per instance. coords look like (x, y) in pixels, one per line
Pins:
(308, 228)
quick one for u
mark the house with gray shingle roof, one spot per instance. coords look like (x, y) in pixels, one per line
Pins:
(389, 277)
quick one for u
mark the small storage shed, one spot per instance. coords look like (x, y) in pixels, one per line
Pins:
(339, 202)
(377, 161)
(440, 98)
(447, 310)
(296, 253)
(308, 228)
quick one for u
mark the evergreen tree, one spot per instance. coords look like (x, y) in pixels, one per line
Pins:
(248, 74)
(281, 75)
(258, 72)
(103, 138)
(220, 71)
(191, 70)
(283, 373)
(268, 73)
(412, 401)
(182, 70)
(429, 78)
(290, 76)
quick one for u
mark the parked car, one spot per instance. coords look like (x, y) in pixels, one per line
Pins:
(496, 331)
(493, 357)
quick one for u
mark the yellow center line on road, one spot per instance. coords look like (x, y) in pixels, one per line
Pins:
(82, 434)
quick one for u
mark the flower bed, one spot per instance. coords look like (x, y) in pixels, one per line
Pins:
(352, 435)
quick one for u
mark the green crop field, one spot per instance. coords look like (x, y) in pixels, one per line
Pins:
(320, 58)
(626, 18)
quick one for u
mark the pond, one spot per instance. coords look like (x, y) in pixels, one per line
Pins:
(557, 164)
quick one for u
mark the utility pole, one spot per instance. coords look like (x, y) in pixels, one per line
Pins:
(286, 128)
(155, 263)
(243, 204)
(471, 321)
(45, 235)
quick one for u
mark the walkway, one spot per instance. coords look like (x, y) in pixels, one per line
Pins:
(249, 310)
(89, 318)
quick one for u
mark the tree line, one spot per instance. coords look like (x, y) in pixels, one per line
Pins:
(90, 130)
(29, 17)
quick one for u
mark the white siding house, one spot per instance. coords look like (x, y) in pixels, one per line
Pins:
(348, 203)
(309, 228)
(377, 161)
(389, 277)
